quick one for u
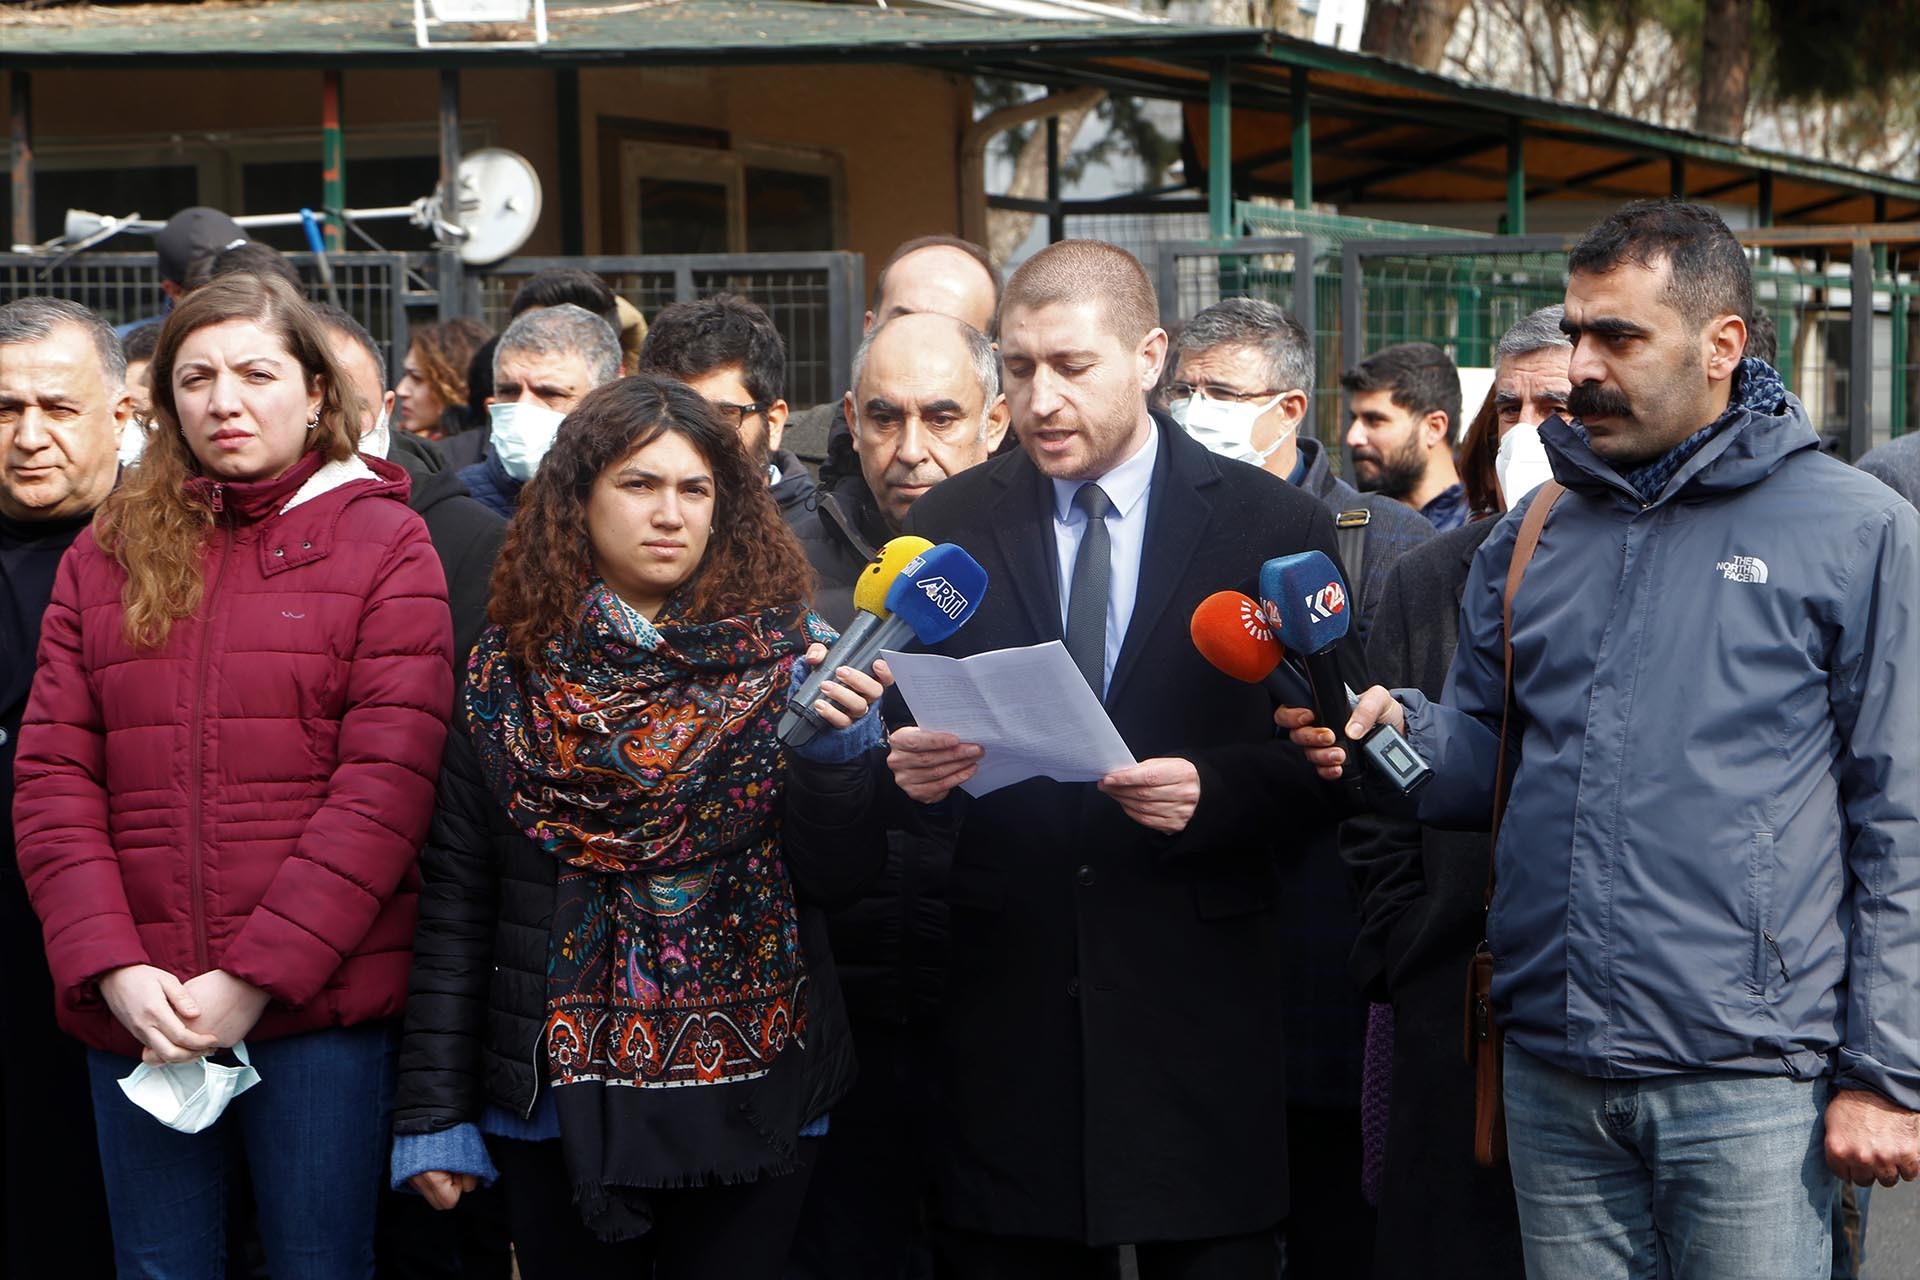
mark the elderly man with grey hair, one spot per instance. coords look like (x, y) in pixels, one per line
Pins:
(1242, 385)
(1423, 891)
(545, 363)
(63, 407)
(925, 404)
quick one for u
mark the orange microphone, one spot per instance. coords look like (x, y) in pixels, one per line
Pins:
(1230, 631)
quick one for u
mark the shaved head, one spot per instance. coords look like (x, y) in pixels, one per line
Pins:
(1073, 271)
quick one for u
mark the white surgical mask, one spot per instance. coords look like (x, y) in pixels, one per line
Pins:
(522, 434)
(189, 1096)
(133, 441)
(1226, 426)
(1521, 466)
(378, 442)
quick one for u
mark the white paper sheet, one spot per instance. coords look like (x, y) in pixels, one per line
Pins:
(1030, 708)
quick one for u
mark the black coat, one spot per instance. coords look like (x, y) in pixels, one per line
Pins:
(1326, 1014)
(51, 1169)
(794, 493)
(466, 536)
(841, 531)
(891, 944)
(478, 998)
(1112, 1031)
(1442, 1217)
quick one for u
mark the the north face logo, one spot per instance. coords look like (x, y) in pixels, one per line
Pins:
(1743, 569)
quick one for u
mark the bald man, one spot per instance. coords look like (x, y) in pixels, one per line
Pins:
(925, 404)
(938, 275)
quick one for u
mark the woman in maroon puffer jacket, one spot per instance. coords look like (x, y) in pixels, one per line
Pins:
(225, 774)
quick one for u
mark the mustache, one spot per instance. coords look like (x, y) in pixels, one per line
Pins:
(1591, 400)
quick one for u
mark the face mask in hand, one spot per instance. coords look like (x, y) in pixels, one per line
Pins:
(522, 434)
(1521, 465)
(189, 1096)
(1226, 426)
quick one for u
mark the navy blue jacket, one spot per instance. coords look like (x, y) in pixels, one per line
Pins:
(1711, 857)
(492, 487)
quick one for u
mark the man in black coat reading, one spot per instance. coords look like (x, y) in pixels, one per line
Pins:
(1112, 1034)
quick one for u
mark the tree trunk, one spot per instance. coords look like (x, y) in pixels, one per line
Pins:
(1725, 60)
(1410, 31)
(1006, 228)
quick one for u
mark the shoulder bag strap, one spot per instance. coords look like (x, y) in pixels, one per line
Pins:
(1523, 548)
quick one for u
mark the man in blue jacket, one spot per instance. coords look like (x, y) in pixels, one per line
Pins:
(1706, 926)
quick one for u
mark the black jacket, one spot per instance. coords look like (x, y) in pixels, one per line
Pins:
(1112, 1031)
(1393, 528)
(50, 1170)
(891, 945)
(1326, 1014)
(467, 446)
(1442, 1217)
(478, 997)
(466, 536)
(841, 531)
(794, 492)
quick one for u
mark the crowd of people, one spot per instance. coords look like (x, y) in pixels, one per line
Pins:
(405, 875)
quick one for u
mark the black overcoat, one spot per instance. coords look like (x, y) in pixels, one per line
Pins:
(1423, 911)
(1112, 1029)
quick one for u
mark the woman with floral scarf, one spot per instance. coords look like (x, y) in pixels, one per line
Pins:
(623, 1004)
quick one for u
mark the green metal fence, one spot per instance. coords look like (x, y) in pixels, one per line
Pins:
(1848, 325)
(1293, 258)
(1844, 324)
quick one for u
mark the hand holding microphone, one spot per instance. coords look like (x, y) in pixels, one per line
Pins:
(803, 718)
(1377, 707)
(1305, 598)
(929, 592)
(1234, 632)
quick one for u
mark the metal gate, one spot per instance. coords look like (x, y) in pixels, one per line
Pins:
(1842, 320)
(815, 300)
(374, 288)
(1193, 275)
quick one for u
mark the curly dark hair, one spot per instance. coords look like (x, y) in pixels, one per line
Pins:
(752, 562)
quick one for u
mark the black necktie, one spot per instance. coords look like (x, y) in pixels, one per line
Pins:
(1087, 596)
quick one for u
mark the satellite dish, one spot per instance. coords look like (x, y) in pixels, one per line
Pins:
(498, 197)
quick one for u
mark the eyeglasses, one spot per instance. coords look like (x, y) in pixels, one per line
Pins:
(1214, 391)
(736, 414)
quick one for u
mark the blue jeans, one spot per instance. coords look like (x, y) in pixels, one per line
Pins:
(315, 1133)
(1703, 1176)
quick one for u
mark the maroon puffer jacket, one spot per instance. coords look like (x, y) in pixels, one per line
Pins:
(252, 795)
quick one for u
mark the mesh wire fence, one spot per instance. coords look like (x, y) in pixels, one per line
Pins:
(1459, 302)
(1140, 234)
(813, 300)
(1462, 301)
(1810, 302)
(1903, 349)
(122, 288)
(118, 287)
(1200, 283)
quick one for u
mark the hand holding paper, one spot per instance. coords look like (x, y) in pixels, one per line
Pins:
(1028, 710)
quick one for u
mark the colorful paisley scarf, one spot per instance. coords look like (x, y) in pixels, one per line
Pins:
(642, 756)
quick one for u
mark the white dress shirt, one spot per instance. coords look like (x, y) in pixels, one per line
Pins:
(1126, 487)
